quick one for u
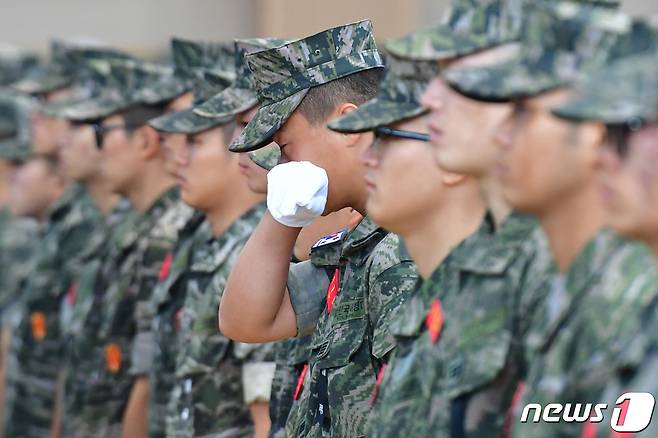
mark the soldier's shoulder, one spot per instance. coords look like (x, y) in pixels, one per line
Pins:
(389, 253)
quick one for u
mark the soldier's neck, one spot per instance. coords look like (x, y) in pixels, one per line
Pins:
(230, 206)
(493, 197)
(434, 234)
(571, 223)
(103, 197)
(150, 185)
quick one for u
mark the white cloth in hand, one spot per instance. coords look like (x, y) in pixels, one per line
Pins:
(296, 193)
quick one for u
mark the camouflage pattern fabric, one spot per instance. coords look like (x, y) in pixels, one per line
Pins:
(580, 337)
(467, 27)
(266, 157)
(241, 95)
(15, 64)
(458, 359)
(372, 276)
(398, 97)
(634, 98)
(168, 298)
(119, 344)
(208, 398)
(560, 42)
(15, 131)
(36, 346)
(77, 322)
(187, 121)
(283, 75)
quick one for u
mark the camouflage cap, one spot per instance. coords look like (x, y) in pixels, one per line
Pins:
(284, 75)
(467, 27)
(15, 63)
(633, 98)
(398, 97)
(241, 95)
(187, 121)
(15, 138)
(266, 157)
(560, 43)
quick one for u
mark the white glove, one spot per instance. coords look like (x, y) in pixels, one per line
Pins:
(296, 193)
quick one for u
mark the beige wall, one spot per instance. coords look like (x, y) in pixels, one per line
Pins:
(144, 26)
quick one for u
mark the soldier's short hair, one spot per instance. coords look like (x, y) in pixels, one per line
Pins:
(357, 88)
(139, 115)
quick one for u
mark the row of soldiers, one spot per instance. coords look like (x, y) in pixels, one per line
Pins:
(304, 239)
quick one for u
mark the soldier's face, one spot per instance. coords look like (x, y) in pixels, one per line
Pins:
(173, 144)
(256, 176)
(404, 184)
(48, 133)
(629, 185)
(121, 162)
(32, 187)
(209, 170)
(462, 130)
(544, 160)
(80, 158)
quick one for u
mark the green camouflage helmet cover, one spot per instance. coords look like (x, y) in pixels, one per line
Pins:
(634, 96)
(467, 27)
(284, 75)
(241, 95)
(266, 157)
(187, 121)
(15, 137)
(398, 97)
(560, 42)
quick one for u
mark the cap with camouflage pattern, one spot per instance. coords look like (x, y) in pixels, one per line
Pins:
(15, 63)
(632, 100)
(398, 97)
(467, 27)
(241, 95)
(266, 157)
(634, 96)
(560, 42)
(15, 138)
(284, 75)
(123, 83)
(187, 121)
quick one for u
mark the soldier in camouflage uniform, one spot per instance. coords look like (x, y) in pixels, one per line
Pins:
(302, 85)
(18, 236)
(117, 349)
(217, 383)
(37, 346)
(628, 167)
(457, 364)
(579, 336)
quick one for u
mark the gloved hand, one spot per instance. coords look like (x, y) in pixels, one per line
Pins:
(296, 193)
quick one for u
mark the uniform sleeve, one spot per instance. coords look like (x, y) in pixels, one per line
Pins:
(154, 261)
(307, 286)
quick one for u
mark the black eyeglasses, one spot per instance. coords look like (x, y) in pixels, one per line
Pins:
(100, 130)
(383, 132)
(618, 135)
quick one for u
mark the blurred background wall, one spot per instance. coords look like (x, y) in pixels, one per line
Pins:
(144, 26)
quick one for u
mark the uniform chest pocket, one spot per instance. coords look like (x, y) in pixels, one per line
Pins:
(335, 346)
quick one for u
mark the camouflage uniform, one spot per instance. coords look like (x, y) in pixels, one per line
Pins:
(632, 101)
(36, 346)
(585, 333)
(213, 373)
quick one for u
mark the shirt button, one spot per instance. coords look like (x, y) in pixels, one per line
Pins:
(185, 414)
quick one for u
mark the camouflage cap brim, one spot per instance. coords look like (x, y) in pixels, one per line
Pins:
(231, 101)
(163, 90)
(42, 83)
(266, 157)
(440, 43)
(502, 82)
(375, 113)
(266, 123)
(634, 96)
(14, 150)
(94, 108)
(186, 122)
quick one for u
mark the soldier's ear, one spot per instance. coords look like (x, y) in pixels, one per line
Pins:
(148, 141)
(594, 136)
(341, 110)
